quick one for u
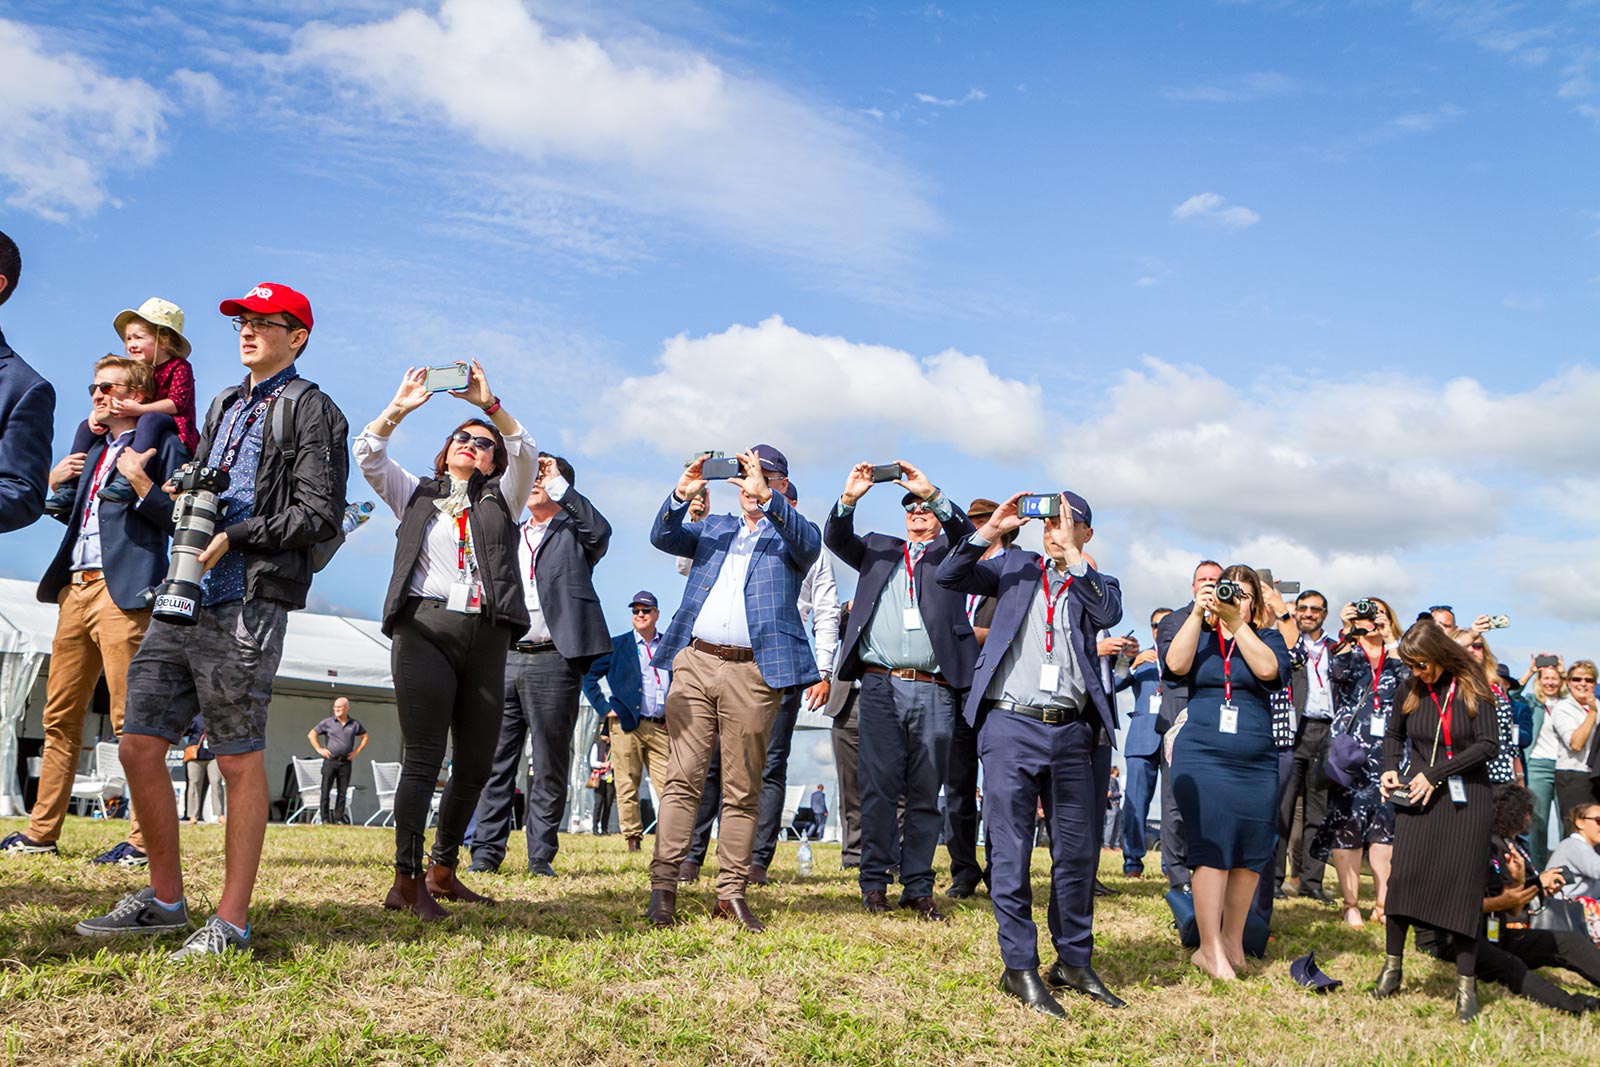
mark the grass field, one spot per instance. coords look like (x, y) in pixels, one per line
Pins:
(566, 971)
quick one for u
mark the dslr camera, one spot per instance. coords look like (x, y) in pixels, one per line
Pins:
(1227, 591)
(194, 520)
(1366, 609)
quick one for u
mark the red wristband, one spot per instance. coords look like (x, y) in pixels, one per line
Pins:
(492, 408)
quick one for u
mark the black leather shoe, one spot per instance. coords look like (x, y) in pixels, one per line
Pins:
(1388, 983)
(688, 871)
(926, 909)
(1082, 980)
(961, 890)
(1025, 986)
(1103, 890)
(541, 868)
(737, 910)
(875, 901)
(663, 909)
(758, 875)
(483, 866)
(1279, 894)
(1316, 893)
(1466, 998)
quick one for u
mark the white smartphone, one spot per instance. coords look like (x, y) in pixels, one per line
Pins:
(450, 376)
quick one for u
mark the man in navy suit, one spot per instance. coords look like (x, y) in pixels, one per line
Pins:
(1141, 751)
(911, 646)
(1041, 710)
(109, 556)
(27, 417)
(627, 691)
(735, 644)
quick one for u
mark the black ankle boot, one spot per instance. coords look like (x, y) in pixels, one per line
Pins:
(1466, 998)
(1388, 978)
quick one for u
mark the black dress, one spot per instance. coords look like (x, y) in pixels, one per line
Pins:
(1437, 877)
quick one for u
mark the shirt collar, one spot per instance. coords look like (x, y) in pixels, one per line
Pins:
(286, 374)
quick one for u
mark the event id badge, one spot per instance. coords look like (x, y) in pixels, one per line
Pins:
(1228, 718)
(1458, 789)
(1494, 928)
(1049, 677)
(1379, 724)
(465, 597)
(913, 617)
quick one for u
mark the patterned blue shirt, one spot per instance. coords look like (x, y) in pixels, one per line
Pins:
(225, 582)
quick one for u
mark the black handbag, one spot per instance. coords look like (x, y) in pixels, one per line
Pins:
(1557, 915)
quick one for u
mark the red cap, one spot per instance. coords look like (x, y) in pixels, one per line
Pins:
(269, 297)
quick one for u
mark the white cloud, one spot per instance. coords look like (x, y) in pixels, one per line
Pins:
(1245, 88)
(630, 123)
(1213, 209)
(202, 90)
(1565, 583)
(973, 96)
(1341, 576)
(68, 126)
(774, 382)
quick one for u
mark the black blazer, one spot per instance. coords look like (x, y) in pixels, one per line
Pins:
(944, 611)
(27, 418)
(133, 537)
(564, 573)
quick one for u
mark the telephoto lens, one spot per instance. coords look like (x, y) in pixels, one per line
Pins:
(1227, 592)
(194, 520)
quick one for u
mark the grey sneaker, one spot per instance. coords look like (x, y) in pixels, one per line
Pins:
(213, 939)
(136, 913)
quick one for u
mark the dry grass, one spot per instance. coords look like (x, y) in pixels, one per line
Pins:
(565, 971)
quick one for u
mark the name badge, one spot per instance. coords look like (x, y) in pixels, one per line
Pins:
(1228, 719)
(1516, 734)
(1379, 724)
(1494, 928)
(1049, 677)
(1458, 789)
(465, 597)
(913, 619)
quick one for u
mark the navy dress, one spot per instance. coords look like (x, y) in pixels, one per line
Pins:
(1226, 785)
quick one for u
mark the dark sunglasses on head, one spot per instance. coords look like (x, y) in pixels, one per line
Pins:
(1442, 607)
(462, 437)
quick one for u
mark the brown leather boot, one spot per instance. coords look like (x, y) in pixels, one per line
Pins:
(442, 882)
(663, 909)
(410, 894)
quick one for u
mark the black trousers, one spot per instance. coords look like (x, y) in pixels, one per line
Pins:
(961, 805)
(335, 775)
(605, 797)
(846, 739)
(1308, 780)
(1511, 962)
(1174, 846)
(769, 821)
(448, 678)
(540, 697)
(1572, 788)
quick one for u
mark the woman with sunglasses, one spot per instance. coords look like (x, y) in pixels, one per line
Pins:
(1543, 688)
(1572, 717)
(454, 608)
(1445, 736)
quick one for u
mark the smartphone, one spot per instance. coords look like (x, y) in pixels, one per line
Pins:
(705, 453)
(721, 467)
(1039, 507)
(1546, 661)
(886, 472)
(1265, 574)
(1288, 588)
(450, 376)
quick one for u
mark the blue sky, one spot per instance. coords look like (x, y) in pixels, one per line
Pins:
(1305, 285)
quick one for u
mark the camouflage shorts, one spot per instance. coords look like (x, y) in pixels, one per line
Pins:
(220, 668)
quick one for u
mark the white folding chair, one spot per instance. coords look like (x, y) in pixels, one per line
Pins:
(308, 780)
(385, 781)
(105, 780)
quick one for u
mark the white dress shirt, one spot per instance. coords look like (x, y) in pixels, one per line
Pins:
(86, 555)
(819, 606)
(653, 680)
(1319, 698)
(529, 541)
(722, 619)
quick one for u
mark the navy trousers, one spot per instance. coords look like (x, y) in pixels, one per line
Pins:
(905, 739)
(961, 803)
(1024, 762)
(1143, 774)
(774, 776)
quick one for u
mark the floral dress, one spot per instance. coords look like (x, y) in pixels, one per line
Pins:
(1359, 815)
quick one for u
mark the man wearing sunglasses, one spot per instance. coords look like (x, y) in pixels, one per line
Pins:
(110, 554)
(911, 645)
(557, 549)
(286, 494)
(631, 695)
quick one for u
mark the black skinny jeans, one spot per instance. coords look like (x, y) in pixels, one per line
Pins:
(449, 678)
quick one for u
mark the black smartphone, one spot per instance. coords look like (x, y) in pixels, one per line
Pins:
(886, 472)
(1288, 588)
(720, 467)
(1265, 574)
(1546, 661)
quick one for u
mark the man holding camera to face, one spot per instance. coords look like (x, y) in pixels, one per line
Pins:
(734, 646)
(1041, 710)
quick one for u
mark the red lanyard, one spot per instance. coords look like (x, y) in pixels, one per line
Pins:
(533, 552)
(461, 543)
(94, 481)
(1050, 607)
(1227, 665)
(1316, 664)
(911, 576)
(1445, 715)
(650, 652)
(1377, 674)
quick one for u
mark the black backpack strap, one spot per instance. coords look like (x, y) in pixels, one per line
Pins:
(282, 416)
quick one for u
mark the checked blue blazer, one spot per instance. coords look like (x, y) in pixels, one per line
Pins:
(783, 554)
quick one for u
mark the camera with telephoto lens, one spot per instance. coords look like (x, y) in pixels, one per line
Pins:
(1227, 591)
(194, 521)
(1366, 609)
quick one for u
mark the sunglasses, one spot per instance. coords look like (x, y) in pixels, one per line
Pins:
(1580, 679)
(483, 444)
(643, 611)
(106, 387)
(1477, 647)
(915, 506)
(1442, 607)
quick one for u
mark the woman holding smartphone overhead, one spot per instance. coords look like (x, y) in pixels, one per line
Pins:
(454, 608)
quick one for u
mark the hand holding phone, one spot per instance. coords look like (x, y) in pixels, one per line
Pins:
(885, 472)
(450, 377)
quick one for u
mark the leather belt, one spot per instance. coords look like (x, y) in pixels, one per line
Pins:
(731, 653)
(88, 577)
(529, 647)
(653, 718)
(1048, 716)
(908, 674)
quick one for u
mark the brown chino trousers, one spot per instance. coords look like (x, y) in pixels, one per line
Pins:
(712, 698)
(646, 746)
(92, 634)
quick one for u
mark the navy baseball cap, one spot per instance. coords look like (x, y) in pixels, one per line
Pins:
(1080, 508)
(772, 460)
(791, 493)
(644, 598)
(1305, 971)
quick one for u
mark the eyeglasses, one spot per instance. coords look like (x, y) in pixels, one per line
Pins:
(106, 387)
(483, 444)
(643, 611)
(256, 324)
(1312, 611)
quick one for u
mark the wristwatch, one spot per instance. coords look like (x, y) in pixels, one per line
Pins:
(1286, 616)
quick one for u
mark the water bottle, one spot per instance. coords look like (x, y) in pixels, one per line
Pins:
(355, 514)
(805, 858)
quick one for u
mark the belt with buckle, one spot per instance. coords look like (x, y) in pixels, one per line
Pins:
(909, 674)
(660, 719)
(1048, 716)
(88, 577)
(731, 653)
(528, 647)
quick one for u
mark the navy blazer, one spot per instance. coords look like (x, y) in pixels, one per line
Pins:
(783, 554)
(944, 612)
(576, 540)
(1093, 603)
(1141, 738)
(27, 419)
(620, 668)
(133, 537)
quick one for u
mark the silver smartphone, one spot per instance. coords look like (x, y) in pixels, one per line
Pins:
(450, 376)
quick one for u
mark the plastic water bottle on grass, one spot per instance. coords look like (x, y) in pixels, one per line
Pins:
(805, 858)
